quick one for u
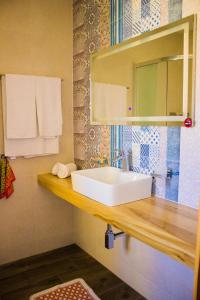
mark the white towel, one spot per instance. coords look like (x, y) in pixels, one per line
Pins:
(20, 103)
(110, 101)
(49, 109)
(28, 147)
(55, 168)
(63, 170)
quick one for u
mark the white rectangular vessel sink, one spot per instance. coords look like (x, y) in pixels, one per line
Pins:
(111, 186)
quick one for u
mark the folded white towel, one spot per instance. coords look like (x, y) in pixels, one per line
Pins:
(31, 147)
(27, 147)
(63, 170)
(49, 109)
(55, 168)
(20, 106)
(110, 101)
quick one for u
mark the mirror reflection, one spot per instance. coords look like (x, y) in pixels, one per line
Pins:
(146, 79)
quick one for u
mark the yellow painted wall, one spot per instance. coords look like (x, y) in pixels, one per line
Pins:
(36, 38)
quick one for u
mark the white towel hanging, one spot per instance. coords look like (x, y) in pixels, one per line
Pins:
(21, 122)
(27, 147)
(49, 109)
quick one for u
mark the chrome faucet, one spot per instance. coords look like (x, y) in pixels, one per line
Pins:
(167, 176)
(120, 156)
(101, 160)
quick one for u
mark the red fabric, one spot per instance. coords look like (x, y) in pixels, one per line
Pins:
(10, 177)
(6, 178)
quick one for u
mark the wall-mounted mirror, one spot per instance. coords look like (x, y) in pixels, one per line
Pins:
(148, 79)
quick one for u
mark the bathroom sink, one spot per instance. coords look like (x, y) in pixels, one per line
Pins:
(111, 186)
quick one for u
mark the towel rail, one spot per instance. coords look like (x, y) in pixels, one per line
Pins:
(62, 79)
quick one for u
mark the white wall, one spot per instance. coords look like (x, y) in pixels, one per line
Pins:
(189, 182)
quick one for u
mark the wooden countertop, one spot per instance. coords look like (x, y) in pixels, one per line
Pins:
(164, 225)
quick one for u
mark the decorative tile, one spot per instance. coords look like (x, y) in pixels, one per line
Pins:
(144, 150)
(171, 192)
(174, 10)
(136, 136)
(173, 144)
(154, 151)
(150, 14)
(144, 162)
(130, 161)
(136, 169)
(92, 134)
(153, 163)
(145, 129)
(79, 94)
(127, 133)
(104, 23)
(94, 19)
(136, 13)
(80, 65)
(146, 147)
(136, 162)
(154, 158)
(173, 159)
(150, 136)
(173, 152)
(155, 13)
(79, 11)
(131, 18)
(136, 155)
(127, 19)
(136, 150)
(104, 141)
(160, 187)
(145, 9)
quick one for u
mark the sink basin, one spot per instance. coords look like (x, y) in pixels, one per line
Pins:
(111, 186)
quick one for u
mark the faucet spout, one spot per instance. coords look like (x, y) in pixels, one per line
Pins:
(121, 157)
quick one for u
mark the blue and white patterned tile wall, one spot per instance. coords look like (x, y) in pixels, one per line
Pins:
(143, 144)
(150, 148)
(173, 162)
(140, 16)
(174, 10)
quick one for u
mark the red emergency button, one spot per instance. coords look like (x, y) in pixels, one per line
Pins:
(188, 122)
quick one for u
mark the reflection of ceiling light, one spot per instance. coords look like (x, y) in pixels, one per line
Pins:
(176, 57)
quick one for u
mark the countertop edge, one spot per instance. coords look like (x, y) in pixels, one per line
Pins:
(176, 248)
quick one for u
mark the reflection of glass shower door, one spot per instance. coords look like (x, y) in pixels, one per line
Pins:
(151, 89)
(175, 88)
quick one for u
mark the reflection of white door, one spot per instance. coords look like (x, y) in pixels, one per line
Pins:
(159, 89)
(151, 89)
(175, 88)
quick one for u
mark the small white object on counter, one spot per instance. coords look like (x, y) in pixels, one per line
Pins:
(63, 170)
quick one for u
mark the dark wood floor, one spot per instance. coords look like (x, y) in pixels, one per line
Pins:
(23, 278)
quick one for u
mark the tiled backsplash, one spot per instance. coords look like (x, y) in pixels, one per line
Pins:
(149, 148)
(173, 161)
(143, 142)
(154, 149)
(91, 32)
(174, 10)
